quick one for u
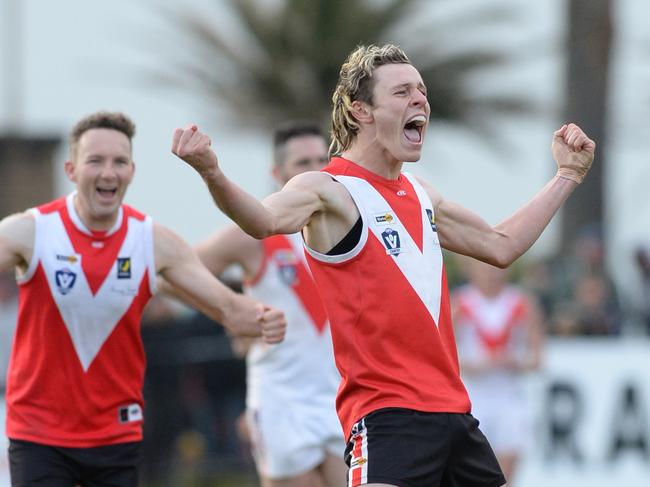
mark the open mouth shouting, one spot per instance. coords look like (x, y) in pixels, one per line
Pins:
(106, 193)
(413, 129)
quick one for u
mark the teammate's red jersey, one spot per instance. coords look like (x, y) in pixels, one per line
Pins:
(77, 364)
(388, 303)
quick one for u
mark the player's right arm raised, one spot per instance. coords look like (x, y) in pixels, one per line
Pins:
(286, 211)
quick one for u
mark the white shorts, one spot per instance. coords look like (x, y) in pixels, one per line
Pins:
(289, 440)
(504, 420)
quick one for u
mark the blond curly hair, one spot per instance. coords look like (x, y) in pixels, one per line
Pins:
(355, 83)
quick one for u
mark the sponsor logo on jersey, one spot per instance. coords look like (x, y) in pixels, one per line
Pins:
(72, 259)
(401, 192)
(64, 279)
(124, 267)
(391, 241)
(432, 219)
(384, 218)
(131, 412)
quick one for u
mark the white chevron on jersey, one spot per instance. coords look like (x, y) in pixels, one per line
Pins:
(422, 269)
(89, 318)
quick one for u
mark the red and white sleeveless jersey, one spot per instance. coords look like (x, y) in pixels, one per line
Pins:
(77, 365)
(301, 369)
(491, 326)
(388, 303)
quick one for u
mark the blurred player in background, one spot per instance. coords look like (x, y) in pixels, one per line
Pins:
(374, 235)
(8, 314)
(291, 387)
(86, 265)
(500, 337)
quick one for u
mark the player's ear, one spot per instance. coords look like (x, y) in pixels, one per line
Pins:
(279, 173)
(361, 111)
(68, 167)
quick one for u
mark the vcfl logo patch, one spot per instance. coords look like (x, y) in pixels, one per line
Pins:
(287, 264)
(288, 273)
(65, 280)
(391, 241)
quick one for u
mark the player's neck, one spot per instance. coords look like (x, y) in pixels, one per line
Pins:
(93, 223)
(373, 157)
(489, 291)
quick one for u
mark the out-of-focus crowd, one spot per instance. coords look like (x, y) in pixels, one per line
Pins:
(578, 294)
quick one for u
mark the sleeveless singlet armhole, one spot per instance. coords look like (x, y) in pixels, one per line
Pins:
(24, 277)
(349, 241)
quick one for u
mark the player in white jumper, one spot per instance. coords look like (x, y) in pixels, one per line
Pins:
(499, 336)
(291, 387)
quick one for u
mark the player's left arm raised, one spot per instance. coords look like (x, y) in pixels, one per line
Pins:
(464, 232)
(178, 264)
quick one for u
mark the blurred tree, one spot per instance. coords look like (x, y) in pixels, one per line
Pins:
(284, 61)
(589, 45)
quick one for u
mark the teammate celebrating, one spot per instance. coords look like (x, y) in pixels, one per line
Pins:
(373, 235)
(291, 414)
(86, 265)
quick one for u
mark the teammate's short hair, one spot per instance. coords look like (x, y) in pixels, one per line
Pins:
(355, 83)
(289, 130)
(100, 120)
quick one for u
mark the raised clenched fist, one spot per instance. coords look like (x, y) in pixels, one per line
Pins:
(573, 152)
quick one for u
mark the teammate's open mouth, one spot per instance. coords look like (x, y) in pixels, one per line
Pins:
(107, 192)
(413, 129)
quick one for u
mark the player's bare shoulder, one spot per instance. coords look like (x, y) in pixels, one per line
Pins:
(168, 247)
(22, 222)
(316, 181)
(17, 233)
(333, 195)
(433, 193)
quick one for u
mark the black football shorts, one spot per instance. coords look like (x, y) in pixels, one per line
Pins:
(37, 465)
(409, 448)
